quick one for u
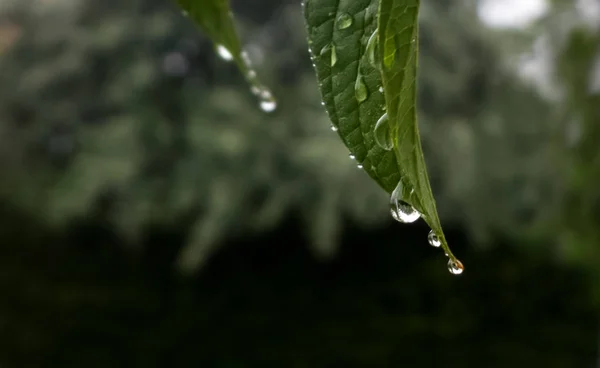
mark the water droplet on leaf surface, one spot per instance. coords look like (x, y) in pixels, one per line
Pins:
(360, 89)
(352, 157)
(344, 21)
(371, 49)
(455, 267)
(402, 211)
(383, 136)
(224, 53)
(333, 56)
(334, 128)
(433, 239)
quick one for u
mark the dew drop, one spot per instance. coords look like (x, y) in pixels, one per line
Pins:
(267, 101)
(331, 49)
(371, 49)
(334, 128)
(400, 210)
(433, 239)
(383, 136)
(268, 105)
(352, 157)
(344, 21)
(333, 56)
(381, 89)
(359, 166)
(455, 267)
(360, 89)
(224, 53)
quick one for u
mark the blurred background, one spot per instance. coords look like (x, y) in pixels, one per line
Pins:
(151, 215)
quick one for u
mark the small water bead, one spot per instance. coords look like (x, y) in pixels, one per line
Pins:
(455, 267)
(433, 239)
(329, 48)
(382, 133)
(352, 157)
(371, 49)
(344, 21)
(267, 101)
(268, 105)
(359, 166)
(224, 53)
(402, 211)
(360, 89)
(381, 89)
(334, 128)
(333, 56)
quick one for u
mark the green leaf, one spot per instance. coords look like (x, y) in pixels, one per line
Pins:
(351, 71)
(216, 20)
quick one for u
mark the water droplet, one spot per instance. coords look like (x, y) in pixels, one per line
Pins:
(359, 166)
(267, 101)
(455, 267)
(246, 59)
(433, 239)
(333, 56)
(400, 210)
(322, 103)
(383, 135)
(372, 49)
(360, 89)
(268, 105)
(352, 157)
(344, 21)
(331, 49)
(381, 89)
(334, 128)
(224, 53)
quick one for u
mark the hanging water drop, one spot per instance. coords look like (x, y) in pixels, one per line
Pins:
(224, 53)
(371, 49)
(402, 211)
(455, 267)
(433, 239)
(382, 133)
(267, 101)
(360, 89)
(344, 21)
(334, 128)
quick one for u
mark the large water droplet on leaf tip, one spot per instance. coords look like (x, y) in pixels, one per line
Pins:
(344, 21)
(224, 53)
(402, 211)
(382, 133)
(455, 267)
(433, 239)
(360, 89)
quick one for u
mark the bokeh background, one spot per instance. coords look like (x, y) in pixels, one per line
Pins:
(151, 215)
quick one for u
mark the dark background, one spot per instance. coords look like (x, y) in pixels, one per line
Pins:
(152, 215)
